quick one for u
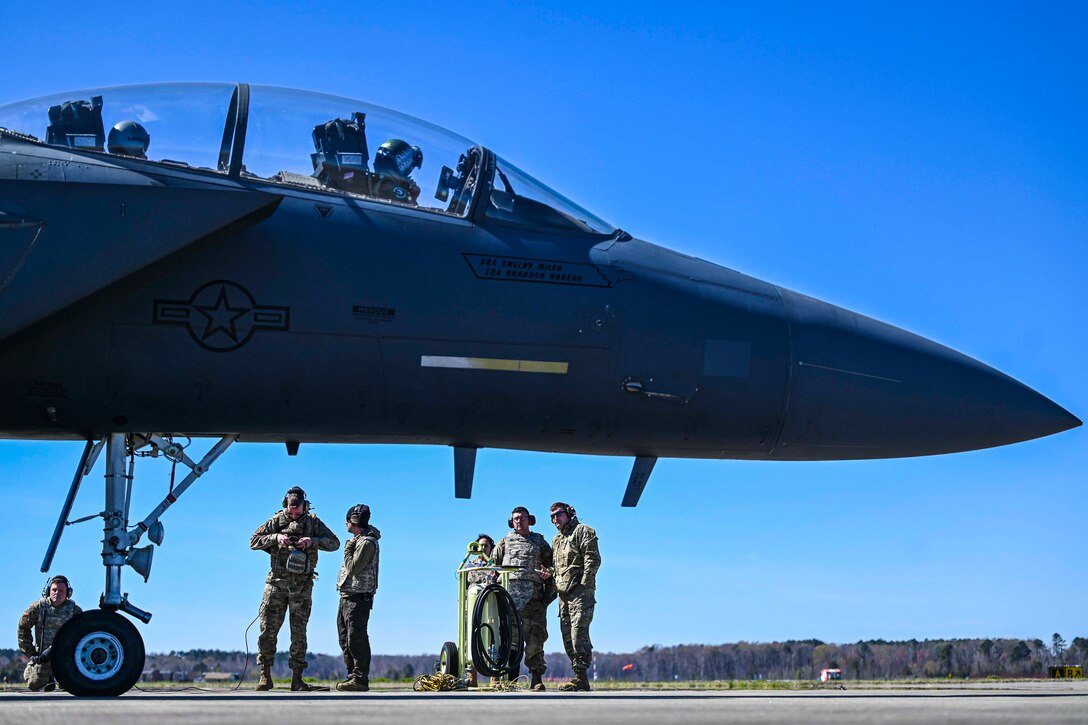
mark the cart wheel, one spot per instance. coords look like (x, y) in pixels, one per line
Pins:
(97, 654)
(447, 660)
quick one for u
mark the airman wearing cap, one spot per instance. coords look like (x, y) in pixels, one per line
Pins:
(357, 583)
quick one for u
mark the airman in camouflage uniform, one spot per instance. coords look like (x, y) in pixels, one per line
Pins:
(45, 618)
(483, 578)
(292, 537)
(577, 559)
(357, 584)
(530, 552)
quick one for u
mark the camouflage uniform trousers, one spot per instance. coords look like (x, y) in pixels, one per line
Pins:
(351, 627)
(38, 676)
(294, 592)
(575, 614)
(534, 625)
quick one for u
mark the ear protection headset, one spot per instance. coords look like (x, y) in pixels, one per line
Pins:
(520, 510)
(296, 491)
(358, 515)
(560, 506)
(58, 578)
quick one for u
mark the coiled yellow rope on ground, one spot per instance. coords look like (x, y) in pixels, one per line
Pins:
(437, 683)
(447, 683)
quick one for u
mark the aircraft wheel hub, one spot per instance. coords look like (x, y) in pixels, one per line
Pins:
(99, 656)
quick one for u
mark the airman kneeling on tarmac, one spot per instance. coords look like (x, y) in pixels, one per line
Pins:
(45, 617)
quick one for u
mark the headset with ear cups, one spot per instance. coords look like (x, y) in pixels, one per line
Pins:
(560, 506)
(297, 491)
(58, 578)
(520, 510)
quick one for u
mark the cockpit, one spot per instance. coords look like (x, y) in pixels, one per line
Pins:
(302, 140)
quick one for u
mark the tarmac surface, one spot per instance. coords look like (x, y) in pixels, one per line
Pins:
(1019, 702)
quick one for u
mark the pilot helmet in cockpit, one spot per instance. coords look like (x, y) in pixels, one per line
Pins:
(396, 158)
(394, 162)
(129, 138)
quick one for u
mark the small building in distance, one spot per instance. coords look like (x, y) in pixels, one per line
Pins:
(832, 673)
(166, 676)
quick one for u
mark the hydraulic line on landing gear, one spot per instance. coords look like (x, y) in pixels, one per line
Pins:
(493, 660)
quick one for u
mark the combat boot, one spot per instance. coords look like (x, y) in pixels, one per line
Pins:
(580, 683)
(354, 684)
(537, 683)
(297, 685)
(265, 680)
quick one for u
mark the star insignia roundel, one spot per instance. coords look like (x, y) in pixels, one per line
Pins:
(221, 316)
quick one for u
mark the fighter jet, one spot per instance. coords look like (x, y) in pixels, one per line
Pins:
(262, 264)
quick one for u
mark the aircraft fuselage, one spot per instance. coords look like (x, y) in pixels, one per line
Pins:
(154, 296)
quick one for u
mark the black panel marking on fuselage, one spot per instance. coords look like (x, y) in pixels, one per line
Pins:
(48, 389)
(221, 316)
(373, 313)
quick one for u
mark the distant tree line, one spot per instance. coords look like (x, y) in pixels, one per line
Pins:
(866, 660)
(792, 660)
(326, 667)
(190, 665)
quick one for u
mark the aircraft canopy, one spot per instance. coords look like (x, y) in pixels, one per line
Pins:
(301, 139)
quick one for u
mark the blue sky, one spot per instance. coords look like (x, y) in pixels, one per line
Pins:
(925, 165)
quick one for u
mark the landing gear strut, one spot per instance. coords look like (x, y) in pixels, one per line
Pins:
(100, 653)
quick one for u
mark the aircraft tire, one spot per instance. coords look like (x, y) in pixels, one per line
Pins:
(97, 654)
(447, 660)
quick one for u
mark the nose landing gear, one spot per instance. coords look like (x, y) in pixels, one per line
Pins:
(99, 653)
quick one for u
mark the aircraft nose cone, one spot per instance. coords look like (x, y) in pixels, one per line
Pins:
(860, 388)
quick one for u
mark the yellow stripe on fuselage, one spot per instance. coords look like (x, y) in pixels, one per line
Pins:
(493, 363)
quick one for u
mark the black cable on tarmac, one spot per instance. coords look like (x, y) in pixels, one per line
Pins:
(241, 679)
